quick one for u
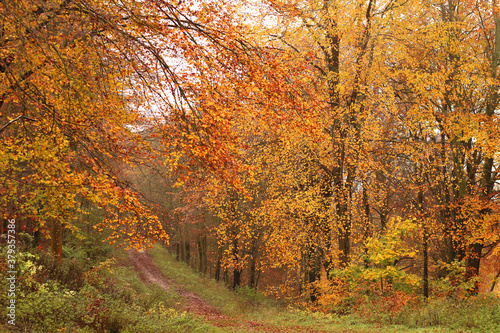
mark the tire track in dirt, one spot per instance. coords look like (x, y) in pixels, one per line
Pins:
(150, 273)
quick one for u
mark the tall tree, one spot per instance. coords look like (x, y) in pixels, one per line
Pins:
(79, 80)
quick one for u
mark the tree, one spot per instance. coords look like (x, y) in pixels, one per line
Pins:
(77, 77)
(452, 86)
(382, 100)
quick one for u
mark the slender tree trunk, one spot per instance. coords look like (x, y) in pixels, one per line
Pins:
(252, 283)
(36, 238)
(472, 265)
(226, 277)
(56, 240)
(383, 217)
(425, 277)
(188, 252)
(492, 289)
(344, 232)
(200, 255)
(313, 273)
(205, 254)
(253, 264)
(236, 278)
(183, 248)
(425, 246)
(218, 265)
(257, 278)
(366, 224)
(236, 269)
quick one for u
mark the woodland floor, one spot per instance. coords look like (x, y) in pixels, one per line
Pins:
(194, 304)
(223, 311)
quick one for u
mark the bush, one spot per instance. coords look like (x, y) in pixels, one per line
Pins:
(479, 313)
(78, 298)
(49, 310)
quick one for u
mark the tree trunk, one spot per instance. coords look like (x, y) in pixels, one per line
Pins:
(226, 277)
(366, 225)
(200, 255)
(252, 282)
(236, 277)
(183, 248)
(474, 251)
(472, 265)
(313, 274)
(492, 289)
(202, 252)
(425, 246)
(188, 252)
(218, 265)
(56, 240)
(344, 232)
(425, 273)
(236, 268)
(253, 264)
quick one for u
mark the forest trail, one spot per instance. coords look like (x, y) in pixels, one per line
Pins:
(193, 303)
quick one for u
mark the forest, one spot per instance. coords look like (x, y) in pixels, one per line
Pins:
(338, 155)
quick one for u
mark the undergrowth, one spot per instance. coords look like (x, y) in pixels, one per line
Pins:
(94, 290)
(474, 314)
(384, 312)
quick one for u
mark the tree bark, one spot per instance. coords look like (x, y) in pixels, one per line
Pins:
(56, 240)
(218, 265)
(492, 289)
(253, 264)
(236, 268)
(425, 246)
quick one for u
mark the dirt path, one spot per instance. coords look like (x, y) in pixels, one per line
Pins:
(150, 273)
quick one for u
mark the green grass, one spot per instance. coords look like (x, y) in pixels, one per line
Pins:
(232, 304)
(112, 298)
(253, 307)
